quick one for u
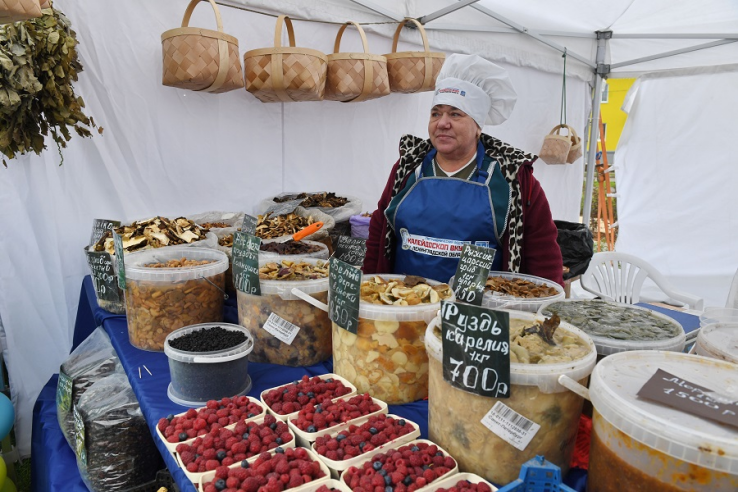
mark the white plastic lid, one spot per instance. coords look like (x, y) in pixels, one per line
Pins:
(387, 312)
(321, 254)
(617, 380)
(545, 376)
(607, 346)
(283, 288)
(719, 341)
(136, 268)
(241, 350)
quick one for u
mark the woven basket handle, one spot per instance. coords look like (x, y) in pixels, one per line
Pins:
(364, 43)
(278, 31)
(420, 27)
(191, 7)
(557, 129)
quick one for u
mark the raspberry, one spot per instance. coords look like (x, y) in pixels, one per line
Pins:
(250, 485)
(192, 467)
(429, 475)
(295, 481)
(212, 464)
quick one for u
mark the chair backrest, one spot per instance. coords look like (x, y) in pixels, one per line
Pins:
(618, 277)
(732, 301)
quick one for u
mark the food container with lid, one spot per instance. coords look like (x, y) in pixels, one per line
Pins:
(161, 300)
(718, 315)
(639, 444)
(386, 357)
(279, 306)
(616, 327)
(201, 376)
(494, 300)
(719, 341)
(454, 415)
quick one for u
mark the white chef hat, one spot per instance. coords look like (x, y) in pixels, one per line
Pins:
(476, 86)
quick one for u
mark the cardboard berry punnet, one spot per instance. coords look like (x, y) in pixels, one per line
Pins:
(317, 397)
(469, 481)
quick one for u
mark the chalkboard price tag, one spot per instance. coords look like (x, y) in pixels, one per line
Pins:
(245, 256)
(104, 276)
(344, 291)
(119, 260)
(472, 272)
(100, 227)
(249, 224)
(476, 349)
(352, 250)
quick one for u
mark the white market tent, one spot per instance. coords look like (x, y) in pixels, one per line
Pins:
(173, 152)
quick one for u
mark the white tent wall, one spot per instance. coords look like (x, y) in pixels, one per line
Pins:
(676, 180)
(170, 152)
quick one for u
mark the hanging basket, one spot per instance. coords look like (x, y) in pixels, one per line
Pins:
(285, 74)
(19, 10)
(556, 147)
(575, 152)
(355, 77)
(200, 59)
(413, 71)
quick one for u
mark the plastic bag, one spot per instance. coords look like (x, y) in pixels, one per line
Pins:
(339, 214)
(233, 219)
(360, 226)
(328, 224)
(577, 246)
(91, 361)
(120, 452)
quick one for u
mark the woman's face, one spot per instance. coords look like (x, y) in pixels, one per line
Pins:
(453, 133)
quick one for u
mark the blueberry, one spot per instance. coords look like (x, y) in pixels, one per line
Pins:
(414, 448)
(245, 436)
(300, 394)
(361, 445)
(273, 426)
(387, 480)
(340, 437)
(220, 484)
(170, 417)
(388, 488)
(312, 428)
(329, 380)
(296, 383)
(311, 394)
(426, 467)
(439, 454)
(245, 464)
(318, 409)
(183, 436)
(401, 422)
(197, 455)
(377, 465)
(220, 455)
(382, 472)
(408, 480)
(284, 392)
(250, 415)
(278, 450)
(278, 440)
(221, 406)
(373, 430)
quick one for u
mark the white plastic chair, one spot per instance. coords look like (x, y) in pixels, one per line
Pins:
(732, 301)
(619, 277)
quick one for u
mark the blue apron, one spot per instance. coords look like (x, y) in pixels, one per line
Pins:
(433, 217)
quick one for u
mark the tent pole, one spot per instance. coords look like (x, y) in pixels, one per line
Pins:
(602, 41)
(445, 11)
(673, 53)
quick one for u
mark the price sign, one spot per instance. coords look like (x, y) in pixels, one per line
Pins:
(249, 224)
(344, 291)
(472, 272)
(119, 260)
(476, 349)
(104, 276)
(64, 392)
(352, 250)
(100, 227)
(245, 256)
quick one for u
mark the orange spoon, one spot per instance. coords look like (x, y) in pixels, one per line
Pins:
(312, 228)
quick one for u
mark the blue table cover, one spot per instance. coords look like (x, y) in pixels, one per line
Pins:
(53, 464)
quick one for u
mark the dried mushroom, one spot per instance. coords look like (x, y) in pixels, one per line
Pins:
(546, 329)
(290, 270)
(268, 227)
(152, 233)
(518, 287)
(214, 225)
(410, 291)
(180, 263)
(326, 200)
(290, 247)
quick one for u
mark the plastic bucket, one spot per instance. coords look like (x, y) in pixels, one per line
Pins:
(454, 415)
(312, 344)
(321, 254)
(494, 300)
(718, 315)
(387, 358)
(718, 341)
(639, 444)
(201, 376)
(161, 300)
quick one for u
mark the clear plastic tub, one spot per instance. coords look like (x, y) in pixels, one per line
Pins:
(312, 344)
(322, 254)
(718, 341)
(718, 315)
(639, 444)
(607, 346)
(201, 376)
(494, 300)
(386, 358)
(454, 415)
(161, 300)
(451, 481)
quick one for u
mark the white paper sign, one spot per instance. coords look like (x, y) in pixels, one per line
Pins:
(510, 426)
(281, 329)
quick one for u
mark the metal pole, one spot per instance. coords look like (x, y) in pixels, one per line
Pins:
(602, 38)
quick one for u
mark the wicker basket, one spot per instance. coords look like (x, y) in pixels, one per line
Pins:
(355, 77)
(200, 59)
(556, 147)
(575, 152)
(18, 10)
(413, 71)
(285, 74)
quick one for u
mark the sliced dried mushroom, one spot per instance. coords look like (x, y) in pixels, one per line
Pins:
(290, 270)
(152, 233)
(214, 225)
(518, 287)
(410, 291)
(268, 227)
(326, 200)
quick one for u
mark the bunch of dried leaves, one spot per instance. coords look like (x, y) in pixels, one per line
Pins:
(38, 63)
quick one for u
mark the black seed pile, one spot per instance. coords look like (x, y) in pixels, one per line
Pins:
(208, 340)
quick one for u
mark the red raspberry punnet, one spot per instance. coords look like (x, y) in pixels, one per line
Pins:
(299, 394)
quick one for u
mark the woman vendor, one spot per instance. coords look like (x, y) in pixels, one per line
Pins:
(463, 186)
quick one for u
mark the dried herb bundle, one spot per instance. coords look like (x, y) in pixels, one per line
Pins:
(38, 63)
